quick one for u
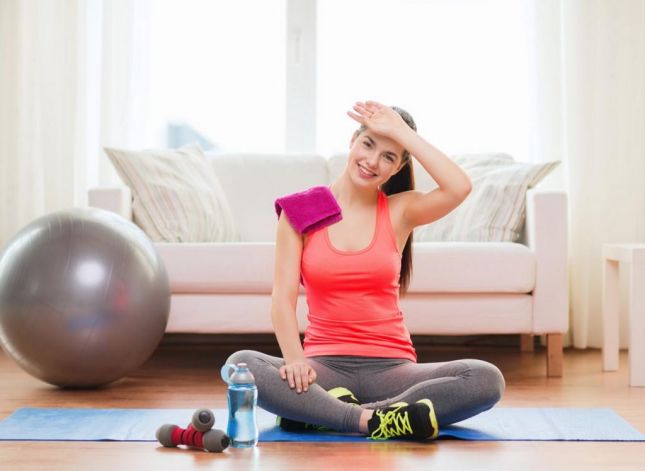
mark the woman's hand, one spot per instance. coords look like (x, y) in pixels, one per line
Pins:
(299, 374)
(379, 118)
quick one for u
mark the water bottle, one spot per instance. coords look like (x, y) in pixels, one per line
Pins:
(242, 401)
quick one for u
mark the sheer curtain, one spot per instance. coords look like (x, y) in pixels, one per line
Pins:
(587, 65)
(70, 78)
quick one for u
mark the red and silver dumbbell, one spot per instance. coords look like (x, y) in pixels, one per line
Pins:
(199, 434)
(203, 420)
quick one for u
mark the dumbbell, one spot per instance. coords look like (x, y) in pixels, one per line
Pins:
(198, 434)
(203, 420)
(172, 435)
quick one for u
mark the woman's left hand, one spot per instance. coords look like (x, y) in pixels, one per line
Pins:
(379, 118)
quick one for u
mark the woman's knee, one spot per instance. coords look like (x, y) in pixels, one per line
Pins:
(490, 380)
(243, 356)
(257, 362)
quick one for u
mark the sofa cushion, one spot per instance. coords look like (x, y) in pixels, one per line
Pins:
(176, 196)
(244, 179)
(495, 209)
(472, 267)
(439, 267)
(231, 267)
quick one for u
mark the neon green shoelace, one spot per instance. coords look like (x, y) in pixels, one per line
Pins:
(393, 424)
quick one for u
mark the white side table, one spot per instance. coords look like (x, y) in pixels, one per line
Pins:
(615, 258)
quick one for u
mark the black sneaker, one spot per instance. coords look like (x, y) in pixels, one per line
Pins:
(400, 420)
(289, 425)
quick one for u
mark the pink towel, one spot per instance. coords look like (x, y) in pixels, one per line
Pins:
(309, 210)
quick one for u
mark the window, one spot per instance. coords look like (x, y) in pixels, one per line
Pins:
(217, 74)
(458, 66)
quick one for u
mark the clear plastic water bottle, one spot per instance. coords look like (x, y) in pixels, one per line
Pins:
(242, 403)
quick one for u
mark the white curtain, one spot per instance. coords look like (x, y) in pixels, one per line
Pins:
(72, 79)
(587, 63)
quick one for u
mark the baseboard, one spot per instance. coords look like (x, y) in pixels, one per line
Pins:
(269, 340)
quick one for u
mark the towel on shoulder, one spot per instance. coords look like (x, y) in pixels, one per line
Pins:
(309, 210)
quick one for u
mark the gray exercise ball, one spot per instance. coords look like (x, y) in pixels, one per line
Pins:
(84, 298)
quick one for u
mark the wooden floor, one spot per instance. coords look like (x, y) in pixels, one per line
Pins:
(180, 376)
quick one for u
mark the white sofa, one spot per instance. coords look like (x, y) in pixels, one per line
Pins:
(457, 288)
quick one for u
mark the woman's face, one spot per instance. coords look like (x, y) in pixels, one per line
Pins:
(380, 156)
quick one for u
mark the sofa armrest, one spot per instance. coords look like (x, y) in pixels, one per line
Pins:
(546, 236)
(115, 199)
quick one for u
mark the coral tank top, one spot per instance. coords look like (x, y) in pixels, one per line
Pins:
(353, 296)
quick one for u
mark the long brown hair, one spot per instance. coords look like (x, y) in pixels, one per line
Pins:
(401, 181)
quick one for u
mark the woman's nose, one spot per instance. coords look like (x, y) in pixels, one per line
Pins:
(372, 159)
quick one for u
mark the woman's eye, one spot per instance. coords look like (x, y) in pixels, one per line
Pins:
(366, 143)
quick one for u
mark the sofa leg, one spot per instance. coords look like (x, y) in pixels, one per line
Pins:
(526, 343)
(554, 355)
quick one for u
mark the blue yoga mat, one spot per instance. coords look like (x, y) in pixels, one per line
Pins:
(496, 424)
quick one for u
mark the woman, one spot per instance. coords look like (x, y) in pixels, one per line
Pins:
(357, 371)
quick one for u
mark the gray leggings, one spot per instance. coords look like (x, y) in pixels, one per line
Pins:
(458, 389)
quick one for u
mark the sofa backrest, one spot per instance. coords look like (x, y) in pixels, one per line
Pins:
(252, 182)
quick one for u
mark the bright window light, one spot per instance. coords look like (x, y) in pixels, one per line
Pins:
(458, 66)
(218, 73)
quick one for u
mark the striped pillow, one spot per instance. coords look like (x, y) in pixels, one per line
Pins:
(176, 195)
(495, 209)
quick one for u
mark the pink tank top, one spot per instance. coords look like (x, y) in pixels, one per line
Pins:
(353, 296)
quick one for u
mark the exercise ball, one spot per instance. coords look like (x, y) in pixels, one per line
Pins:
(84, 298)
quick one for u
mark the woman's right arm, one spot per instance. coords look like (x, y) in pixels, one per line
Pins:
(284, 298)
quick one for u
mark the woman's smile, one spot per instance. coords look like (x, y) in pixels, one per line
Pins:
(364, 172)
